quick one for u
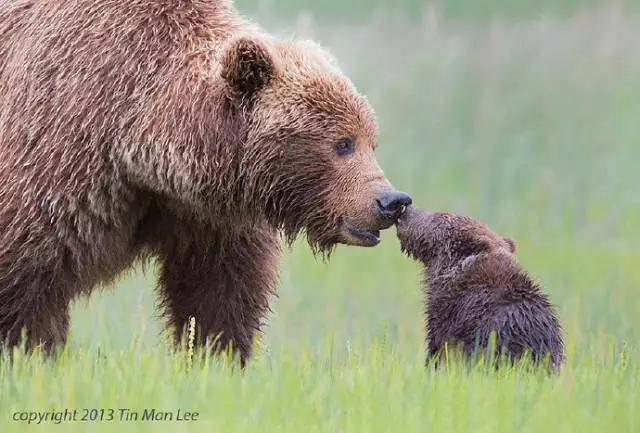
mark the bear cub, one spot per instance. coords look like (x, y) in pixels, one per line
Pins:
(475, 287)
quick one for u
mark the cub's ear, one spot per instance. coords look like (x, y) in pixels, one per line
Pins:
(511, 244)
(247, 65)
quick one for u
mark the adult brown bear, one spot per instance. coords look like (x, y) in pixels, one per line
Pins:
(176, 129)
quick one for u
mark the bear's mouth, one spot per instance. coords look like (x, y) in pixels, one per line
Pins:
(363, 238)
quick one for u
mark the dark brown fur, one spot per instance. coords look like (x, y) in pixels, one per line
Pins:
(474, 287)
(170, 128)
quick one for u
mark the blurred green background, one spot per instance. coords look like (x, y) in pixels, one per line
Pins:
(359, 10)
(524, 114)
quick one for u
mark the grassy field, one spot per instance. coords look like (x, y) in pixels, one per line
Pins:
(526, 117)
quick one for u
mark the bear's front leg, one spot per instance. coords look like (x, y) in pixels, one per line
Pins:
(221, 278)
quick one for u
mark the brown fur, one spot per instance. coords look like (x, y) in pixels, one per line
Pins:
(474, 287)
(170, 128)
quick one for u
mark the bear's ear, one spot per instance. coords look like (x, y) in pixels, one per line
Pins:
(511, 244)
(247, 65)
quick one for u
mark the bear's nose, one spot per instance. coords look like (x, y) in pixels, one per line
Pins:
(391, 205)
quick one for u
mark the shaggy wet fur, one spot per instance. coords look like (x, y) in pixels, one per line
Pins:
(172, 129)
(474, 287)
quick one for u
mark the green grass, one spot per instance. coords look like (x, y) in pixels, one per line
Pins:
(530, 124)
(373, 388)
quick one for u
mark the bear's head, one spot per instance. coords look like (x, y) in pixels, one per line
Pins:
(443, 240)
(308, 143)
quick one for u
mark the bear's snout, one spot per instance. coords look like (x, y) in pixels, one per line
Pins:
(392, 205)
(365, 230)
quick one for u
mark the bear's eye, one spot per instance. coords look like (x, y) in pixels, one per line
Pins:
(344, 146)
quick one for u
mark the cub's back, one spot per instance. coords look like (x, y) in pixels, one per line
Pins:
(493, 294)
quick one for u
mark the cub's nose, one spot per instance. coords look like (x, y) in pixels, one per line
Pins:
(391, 205)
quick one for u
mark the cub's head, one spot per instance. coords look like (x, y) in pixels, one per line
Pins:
(445, 239)
(309, 142)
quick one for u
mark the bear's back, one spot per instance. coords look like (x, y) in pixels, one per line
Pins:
(13, 19)
(87, 85)
(87, 70)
